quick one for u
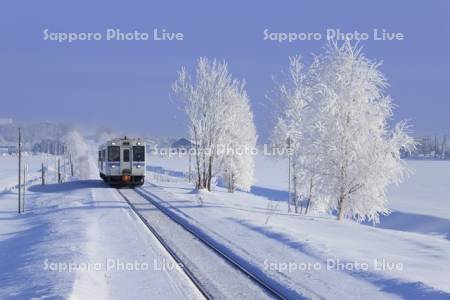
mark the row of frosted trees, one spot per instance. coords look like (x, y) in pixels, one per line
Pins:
(334, 113)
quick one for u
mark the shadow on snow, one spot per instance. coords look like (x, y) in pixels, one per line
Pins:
(19, 268)
(406, 290)
(410, 222)
(67, 186)
(161, 170)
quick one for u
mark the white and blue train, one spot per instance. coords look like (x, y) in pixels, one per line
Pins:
(122, 161)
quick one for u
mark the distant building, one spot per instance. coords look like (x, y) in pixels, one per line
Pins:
(182, 145)
(8, 149)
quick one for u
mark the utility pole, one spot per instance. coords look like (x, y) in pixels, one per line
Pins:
(294, 177)
(25, 170)
(20, 167)
(71, 165)
(42, 173)
(59, 170)
(289, 142)
(189, 165)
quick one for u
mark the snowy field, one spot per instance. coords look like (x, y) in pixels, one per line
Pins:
(404, 256)
(9, 165)
(85, 226)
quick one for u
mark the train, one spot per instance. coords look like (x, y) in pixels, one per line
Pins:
(122, 161)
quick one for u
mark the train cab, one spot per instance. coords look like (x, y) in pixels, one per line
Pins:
(122, 161)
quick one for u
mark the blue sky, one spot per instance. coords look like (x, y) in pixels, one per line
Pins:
(126, 85)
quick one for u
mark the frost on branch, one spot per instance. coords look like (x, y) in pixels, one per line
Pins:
(338, 117)
(212, 101)
(238, 140)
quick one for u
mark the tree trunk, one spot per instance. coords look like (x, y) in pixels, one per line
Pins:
(210, 172)
(204, 171)
(197, 159)
(294, 169)
(232, 187)
(341, 207)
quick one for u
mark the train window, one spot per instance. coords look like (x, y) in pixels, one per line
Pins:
(138, 153)
(126, 155)
(99, 155)
(113, 153)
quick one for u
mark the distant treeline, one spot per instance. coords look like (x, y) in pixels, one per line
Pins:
(37, 137)
(431, 147)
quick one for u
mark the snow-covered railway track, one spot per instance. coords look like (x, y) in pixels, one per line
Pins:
(177, 259)
(213, 272)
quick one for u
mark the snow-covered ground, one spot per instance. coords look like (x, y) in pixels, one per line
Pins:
(404, 256)
(86, 226)
(9, 166)
(79, 240)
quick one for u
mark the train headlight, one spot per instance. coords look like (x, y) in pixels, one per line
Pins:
(113, 166)
(138, 166)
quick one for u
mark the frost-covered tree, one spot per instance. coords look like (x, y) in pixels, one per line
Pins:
(359, 151)
(298, 113)
(38, 137)
(237, 143)
(78, 152)
(336, 113)
(203, 104)
(207, 100)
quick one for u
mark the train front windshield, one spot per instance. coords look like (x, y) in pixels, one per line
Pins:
(138, 153)
(113, 153)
